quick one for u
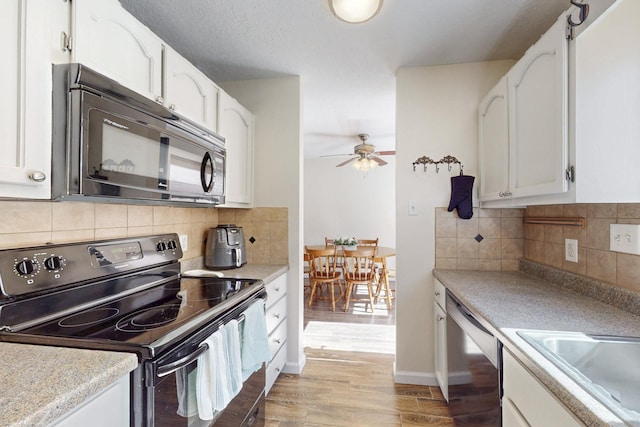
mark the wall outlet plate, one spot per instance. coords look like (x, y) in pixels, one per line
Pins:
(184, 242)
(625, 238)
(571, 250)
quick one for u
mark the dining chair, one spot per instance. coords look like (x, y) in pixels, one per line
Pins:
(368, 242)
(323, 271)
(306, 270)
(359, 269)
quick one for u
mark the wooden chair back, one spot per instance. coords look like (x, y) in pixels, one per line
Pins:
(323, 263)
(368, 242)
(359, 265)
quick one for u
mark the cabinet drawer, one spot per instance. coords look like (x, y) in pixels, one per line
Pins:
(440, 293)
(275, 367)
(276, 290)
(277, 338)
(276, 314)
(529, 400)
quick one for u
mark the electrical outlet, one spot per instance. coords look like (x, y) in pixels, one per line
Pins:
(413, 207)
(571, 250)
(625, 238)
(184, 242)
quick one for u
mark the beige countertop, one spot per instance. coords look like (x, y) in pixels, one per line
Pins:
(41, 383)
(508, 301)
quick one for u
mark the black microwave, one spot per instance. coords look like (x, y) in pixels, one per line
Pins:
(112, 144)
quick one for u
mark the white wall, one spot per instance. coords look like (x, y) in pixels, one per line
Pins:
(278, 179)
(436, 115)
(345, 202)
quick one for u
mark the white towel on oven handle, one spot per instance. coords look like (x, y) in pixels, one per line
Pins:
(254, 339)
(219, 377)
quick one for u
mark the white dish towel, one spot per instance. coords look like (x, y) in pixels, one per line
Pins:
(254, 339)
(219, 376)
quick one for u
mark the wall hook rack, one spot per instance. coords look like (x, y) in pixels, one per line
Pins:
(449, 160)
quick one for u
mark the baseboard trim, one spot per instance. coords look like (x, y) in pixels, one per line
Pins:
(415, 378)
(295, 368)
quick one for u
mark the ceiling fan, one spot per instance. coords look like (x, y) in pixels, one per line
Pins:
(365, 155)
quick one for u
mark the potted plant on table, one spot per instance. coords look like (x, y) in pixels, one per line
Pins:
(349, 243)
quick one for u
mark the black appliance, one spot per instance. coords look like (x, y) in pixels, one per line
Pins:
(111, 143)
(474, 364)
(128, 295)
(225, 247)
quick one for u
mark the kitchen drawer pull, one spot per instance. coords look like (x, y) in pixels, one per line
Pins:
(440, 318)
(277, 340)
(277, 289)
(277, 315)
(437, 293)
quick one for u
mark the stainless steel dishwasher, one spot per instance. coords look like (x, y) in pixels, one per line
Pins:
(474, 363)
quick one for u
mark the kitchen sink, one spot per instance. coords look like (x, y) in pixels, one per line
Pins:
(606, 367)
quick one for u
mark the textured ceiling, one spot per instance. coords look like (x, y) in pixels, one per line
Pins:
(347, 71)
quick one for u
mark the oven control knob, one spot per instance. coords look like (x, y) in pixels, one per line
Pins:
(171, 244)
(161, 247)
(26, 267)
(53, 263)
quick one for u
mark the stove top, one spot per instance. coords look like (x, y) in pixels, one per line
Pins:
(136, 302)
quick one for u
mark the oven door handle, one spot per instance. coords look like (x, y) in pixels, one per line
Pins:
(169, 368)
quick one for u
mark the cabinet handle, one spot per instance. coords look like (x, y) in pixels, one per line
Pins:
(277, 289)
(278, 370)
(277, 316)
(172, 107)
(437, 293)
(439, 318)
(37, 176)
(277, 340)
(159, 100)
(504, 194)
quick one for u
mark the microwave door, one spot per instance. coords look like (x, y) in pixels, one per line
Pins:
(191, 169)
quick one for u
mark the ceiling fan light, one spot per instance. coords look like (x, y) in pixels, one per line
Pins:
(372, 163)
(356, 165)
(355, 11)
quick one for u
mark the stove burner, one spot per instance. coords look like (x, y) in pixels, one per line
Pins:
(88, 317)
(149, 318)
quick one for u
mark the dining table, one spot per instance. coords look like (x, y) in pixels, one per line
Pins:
(382, 253)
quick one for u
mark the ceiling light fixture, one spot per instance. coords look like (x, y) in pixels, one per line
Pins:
(364, 164)
(355, 11)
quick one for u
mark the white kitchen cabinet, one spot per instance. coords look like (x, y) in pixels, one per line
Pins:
(277, 328)
(110, 408)
(236, 126)
(188, 91)
(112, 42)
(607, 107)
(25, 119)
(526, 402)
(440, 330)
(493, 120)
(536, 126)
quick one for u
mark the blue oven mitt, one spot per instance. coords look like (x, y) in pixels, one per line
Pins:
(461, 194)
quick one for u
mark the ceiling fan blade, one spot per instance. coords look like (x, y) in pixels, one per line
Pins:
(378, 160)
(337, 155)
(385, 153)
(344, 163)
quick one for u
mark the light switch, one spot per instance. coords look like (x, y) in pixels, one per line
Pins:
(413, 207)
(625, 238)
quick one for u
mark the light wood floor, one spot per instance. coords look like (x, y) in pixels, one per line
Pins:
(351, 388)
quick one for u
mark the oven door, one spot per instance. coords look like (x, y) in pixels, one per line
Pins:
(173, 397)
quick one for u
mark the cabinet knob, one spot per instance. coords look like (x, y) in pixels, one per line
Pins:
(437, 293)
(439, 318)
(172, 107)
(37, 176)
(277, 316)
(277, 340)
(277, 289)
(159, 99)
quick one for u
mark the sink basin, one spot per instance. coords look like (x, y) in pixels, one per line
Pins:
(606, 367)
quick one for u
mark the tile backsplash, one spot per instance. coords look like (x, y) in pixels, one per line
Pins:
(33, 223)
(505, 239)
(491, 240)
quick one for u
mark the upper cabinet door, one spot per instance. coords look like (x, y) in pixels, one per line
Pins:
(538, 91)
(25, 121)
(236, 125)
(109, 40)
(189, 92)
(493, 119)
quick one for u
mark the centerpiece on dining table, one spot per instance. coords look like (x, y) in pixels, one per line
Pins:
(349, 243)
